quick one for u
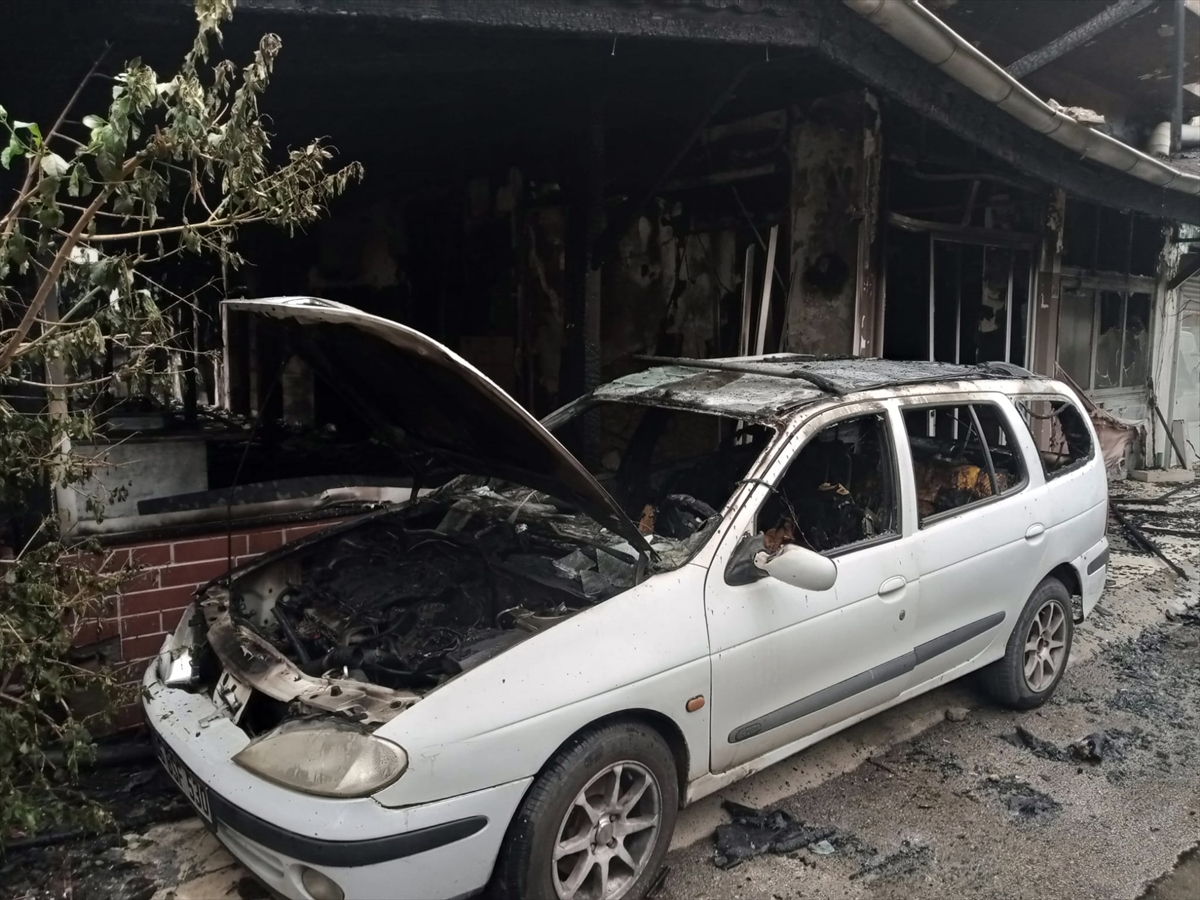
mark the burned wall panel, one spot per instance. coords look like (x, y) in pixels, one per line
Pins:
(835, 176)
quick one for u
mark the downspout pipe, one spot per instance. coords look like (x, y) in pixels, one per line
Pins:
(908, 22)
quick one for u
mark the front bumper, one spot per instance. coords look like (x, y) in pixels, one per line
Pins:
(443, 849)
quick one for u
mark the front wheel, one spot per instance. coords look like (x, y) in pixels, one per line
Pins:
(597, 823)
(1037, 652)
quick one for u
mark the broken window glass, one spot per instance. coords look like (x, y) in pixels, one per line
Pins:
(1108, 340)
(1059, 431)
(1137, 341)
(838, 491)
(1075, 316)
(1103, 338)
(961, 456)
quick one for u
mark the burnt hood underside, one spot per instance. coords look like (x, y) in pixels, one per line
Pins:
(422, 397)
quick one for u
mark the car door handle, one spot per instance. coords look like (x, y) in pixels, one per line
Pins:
(893, 587)
(1034, 532)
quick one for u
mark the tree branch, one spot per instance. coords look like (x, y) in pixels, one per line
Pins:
(238, 219)
(60, 259)
(31, 169)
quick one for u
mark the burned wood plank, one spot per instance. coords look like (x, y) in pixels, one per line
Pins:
(1077, 36)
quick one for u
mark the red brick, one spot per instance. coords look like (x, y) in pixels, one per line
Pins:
(141, 647)
(115, 559)
(262, 541)
(151, 555)
(136, 626)
(92, 631)
(157, 600)
(146, 580)
(209, 548)
(194, 573)
(171, 617)
(108, 607)
(291, 534)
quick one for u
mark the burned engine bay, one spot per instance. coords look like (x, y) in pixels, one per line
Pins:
(366, 621)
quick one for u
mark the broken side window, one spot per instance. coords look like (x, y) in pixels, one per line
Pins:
(1059, 431)
(961, 455)
(838, 491)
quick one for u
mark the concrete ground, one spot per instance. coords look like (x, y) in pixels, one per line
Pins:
(918, 805)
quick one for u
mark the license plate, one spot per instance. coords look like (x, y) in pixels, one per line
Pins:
(191, 786)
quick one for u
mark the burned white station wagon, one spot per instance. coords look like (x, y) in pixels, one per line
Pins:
(519, 678)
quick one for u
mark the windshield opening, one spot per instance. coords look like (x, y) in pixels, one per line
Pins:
(672, 471)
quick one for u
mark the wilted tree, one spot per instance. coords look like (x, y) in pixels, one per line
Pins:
(176, 165)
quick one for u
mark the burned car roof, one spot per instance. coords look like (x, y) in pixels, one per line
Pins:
(759, 388)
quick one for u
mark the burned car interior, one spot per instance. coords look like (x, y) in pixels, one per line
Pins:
(838, 491)
(961, 455)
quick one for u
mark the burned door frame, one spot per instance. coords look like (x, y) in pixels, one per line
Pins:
(1026, 246)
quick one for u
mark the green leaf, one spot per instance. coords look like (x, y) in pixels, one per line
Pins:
(93, 121)
(80, 183)
(15, 148)
(54, 165)
(18, 250)
(3, 114)
(32, 128)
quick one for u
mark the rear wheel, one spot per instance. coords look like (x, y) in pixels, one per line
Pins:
(596, 823)
(1037, 652)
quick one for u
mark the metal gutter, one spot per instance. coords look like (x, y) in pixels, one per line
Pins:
(908, 22)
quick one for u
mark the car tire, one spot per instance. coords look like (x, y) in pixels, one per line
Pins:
(1038, 650)
(552, 817)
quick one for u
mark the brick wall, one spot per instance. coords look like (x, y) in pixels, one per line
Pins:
(134, 624)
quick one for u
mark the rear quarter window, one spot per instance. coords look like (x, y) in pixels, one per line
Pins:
(961, 455)
(1059, 432)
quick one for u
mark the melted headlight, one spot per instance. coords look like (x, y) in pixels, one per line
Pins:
(326, 757)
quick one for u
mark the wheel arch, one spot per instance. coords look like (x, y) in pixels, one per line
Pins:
(661, 723)
(1073, 582)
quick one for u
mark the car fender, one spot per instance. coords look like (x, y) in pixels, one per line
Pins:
(646, 649)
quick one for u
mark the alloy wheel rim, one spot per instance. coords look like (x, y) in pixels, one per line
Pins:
(1045, 646)
(608, 834)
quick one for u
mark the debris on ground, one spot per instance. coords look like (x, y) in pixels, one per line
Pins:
(1100, 744)
(1093, 748)
(945, 764)
(957, 714)
(908, 860)
(1023, 737)
(1025, 803)
(137, 795)
(754, 832)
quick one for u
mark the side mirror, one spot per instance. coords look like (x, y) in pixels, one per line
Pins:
(799, 567)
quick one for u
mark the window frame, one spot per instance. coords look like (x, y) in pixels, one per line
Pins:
(1005, 421)
(882, 415)
(1052, 398)
(1096, 284)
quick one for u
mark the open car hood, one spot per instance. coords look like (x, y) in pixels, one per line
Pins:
(421, 395)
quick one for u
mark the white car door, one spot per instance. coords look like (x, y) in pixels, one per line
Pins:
(788, 662)
(980, 548)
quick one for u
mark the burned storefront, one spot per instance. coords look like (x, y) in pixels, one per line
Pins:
(556, 190)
